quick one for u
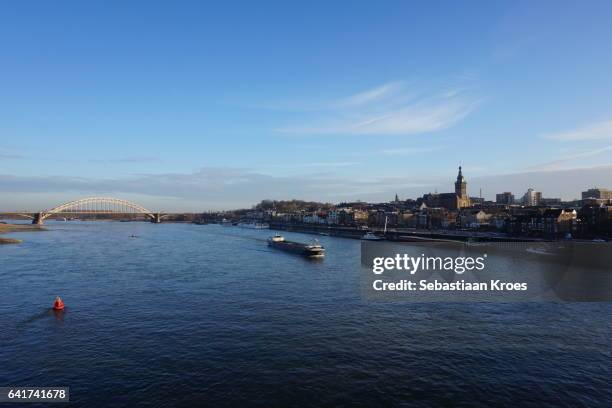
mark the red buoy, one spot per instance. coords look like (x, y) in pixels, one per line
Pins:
(58, 304)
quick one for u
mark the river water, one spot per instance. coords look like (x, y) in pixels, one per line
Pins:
(188, 315)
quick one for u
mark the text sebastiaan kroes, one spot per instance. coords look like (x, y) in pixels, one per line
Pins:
(458, 265)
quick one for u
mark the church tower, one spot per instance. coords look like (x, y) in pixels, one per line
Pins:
(461, 185)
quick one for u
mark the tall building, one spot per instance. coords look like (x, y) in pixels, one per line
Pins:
(597, 193)
(451, 201)
(504, 198)
(532, 198)
(461, 185)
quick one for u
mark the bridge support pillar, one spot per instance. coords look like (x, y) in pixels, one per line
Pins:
(38, 219)
(156, 218)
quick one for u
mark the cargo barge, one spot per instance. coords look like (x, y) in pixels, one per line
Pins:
(312, 250)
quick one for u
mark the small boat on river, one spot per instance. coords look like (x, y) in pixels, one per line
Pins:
(370, 236)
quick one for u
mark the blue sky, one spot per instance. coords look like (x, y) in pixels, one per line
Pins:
(192, 106)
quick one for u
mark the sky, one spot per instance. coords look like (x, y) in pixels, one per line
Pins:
(195, 106)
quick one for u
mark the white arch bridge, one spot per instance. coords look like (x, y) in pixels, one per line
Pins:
(95, 206)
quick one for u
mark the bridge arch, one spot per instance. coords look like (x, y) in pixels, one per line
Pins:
(97, 205)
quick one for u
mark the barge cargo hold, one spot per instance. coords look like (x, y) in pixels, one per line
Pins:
(312, 250)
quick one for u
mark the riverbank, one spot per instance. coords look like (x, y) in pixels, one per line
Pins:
(10, 241)
(6, 228)
(400, 234)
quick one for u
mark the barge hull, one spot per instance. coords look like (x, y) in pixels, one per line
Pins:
(298, 248)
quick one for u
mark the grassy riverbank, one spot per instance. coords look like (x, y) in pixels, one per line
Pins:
(6, 228)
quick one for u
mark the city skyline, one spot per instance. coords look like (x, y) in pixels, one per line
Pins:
(208, 107)
(518, 198)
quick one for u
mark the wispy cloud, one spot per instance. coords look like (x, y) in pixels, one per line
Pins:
(311, 165)
(389, 110)
(371, 95)
(593, 131)
(328, 164)
(409, 151)
(130, 159)
(571, 161)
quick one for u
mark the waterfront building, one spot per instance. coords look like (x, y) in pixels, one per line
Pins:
(597, 196)
(576, 204)
(500, 221)
(596, 219)
(360, 217)
(541, 221)
(558, 222)
(532, 198)
(506, 198)
(473, 218)
(347, 215)
(407, 219)
(551, 201)
(526, 222)
(380, 217)
(315, 218)
(333, 217)
(597, 193)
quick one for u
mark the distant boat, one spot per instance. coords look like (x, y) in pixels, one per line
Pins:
(254, 225)
(312, 250)
(225, 222)
(371, 237)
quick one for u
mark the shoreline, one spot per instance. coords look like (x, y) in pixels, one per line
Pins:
(398, 235)
(8, 228)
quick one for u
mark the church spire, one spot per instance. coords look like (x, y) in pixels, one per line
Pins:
(461, 185)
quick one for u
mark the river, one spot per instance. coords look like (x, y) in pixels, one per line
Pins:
(190, 315)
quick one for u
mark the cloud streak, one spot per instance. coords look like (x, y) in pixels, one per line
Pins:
(372, 95)
(571, 161)
(409, 151)
(389, 110)
(130, 159)
(593, 131)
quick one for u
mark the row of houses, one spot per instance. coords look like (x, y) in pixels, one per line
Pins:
(590, 220)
